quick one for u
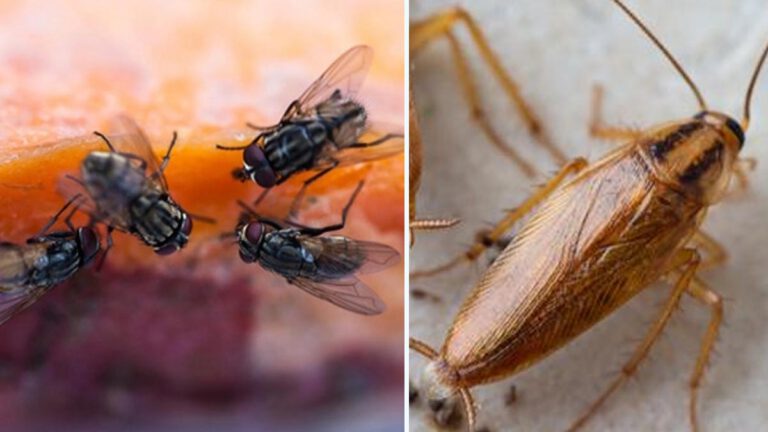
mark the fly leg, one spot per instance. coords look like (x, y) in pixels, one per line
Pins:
(376, 142)
(142, 163)
(58, 214)
(686, 262)
(442, 24)
(300, 196)
(502, 227)
(318, 231)
(598, 129)
(103, 258)
(167, 157)
(700, 291)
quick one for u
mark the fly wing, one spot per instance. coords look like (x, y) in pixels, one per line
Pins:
(392, 146)
(130, 138)
(14, 300)
(345, 74)
(117, 216)
(343, 256)
(348, 293)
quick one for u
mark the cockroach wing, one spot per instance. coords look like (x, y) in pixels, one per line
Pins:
(346, 75)
(344, 256)
(127, 137)
(14, 300)
(348, 293)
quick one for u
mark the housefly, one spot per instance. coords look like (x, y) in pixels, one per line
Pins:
(30, 270)
(128, 191)
(324, 266)
(319, 131)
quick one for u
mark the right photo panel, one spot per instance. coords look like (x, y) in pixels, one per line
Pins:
(586, 180)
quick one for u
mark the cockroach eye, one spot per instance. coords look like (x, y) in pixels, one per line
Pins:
(167, 249)
(736, 129)
(263, 174)
(89, 243)
(253, 233)
(186, 226)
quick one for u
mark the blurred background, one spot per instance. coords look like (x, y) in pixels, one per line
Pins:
(198, 340)
(556, 51)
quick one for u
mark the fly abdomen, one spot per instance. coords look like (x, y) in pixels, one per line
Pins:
(62, 260)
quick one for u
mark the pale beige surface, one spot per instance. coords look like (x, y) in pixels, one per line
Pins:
(556, 50)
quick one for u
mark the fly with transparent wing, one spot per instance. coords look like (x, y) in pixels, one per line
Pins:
(30, 270)
(324, 266)
(319, 131)
(126, 190)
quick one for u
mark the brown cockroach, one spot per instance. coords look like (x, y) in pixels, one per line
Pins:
(593, 237)
(422, 32)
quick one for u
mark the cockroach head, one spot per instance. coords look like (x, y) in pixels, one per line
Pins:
(442, 398)
(696, 155)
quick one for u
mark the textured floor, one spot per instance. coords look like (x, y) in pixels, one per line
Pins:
(556, 51)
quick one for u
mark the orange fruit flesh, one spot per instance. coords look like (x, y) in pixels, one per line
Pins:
(203, 70)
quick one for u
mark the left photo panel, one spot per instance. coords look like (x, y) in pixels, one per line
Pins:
(203, 216)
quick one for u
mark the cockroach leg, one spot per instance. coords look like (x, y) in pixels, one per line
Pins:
(598, 129)
(740, 169)
(442, 24)
(700, 291)
(511, 396)
(686, 262)
(506, 224)
(715, 253)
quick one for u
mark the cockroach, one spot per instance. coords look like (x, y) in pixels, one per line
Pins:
(127, 191)
(589, 243)
(29, 271)
(319, 131)
(424, 31)
(324, 266)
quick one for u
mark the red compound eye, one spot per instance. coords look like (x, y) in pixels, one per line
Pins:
(256, 160)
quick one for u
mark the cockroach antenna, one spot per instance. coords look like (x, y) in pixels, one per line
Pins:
(751, 88)
(667, 53)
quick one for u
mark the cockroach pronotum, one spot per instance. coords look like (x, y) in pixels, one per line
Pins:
(589, 243)
(29, 271)
(319, 131)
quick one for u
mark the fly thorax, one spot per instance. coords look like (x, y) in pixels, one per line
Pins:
(442, 398)
(695, 156)
(60, 261)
